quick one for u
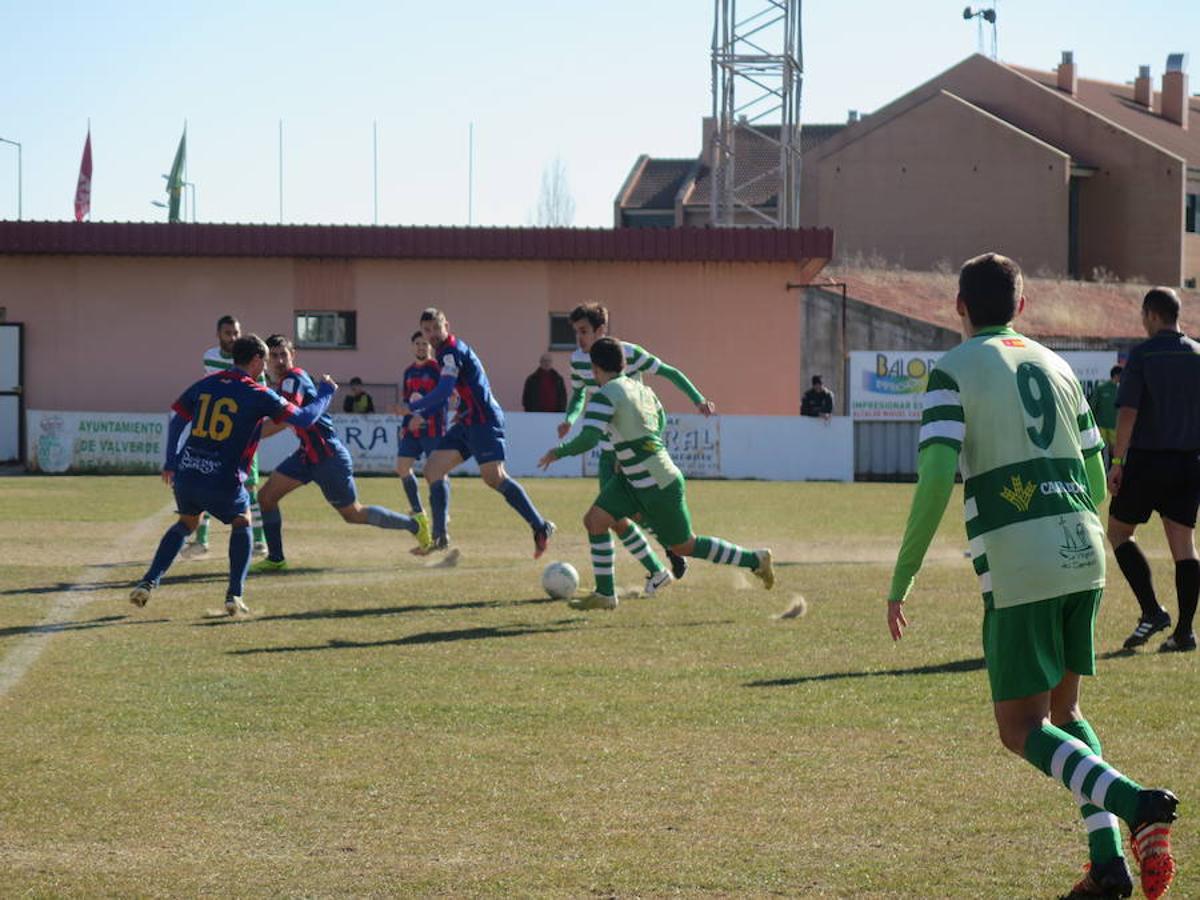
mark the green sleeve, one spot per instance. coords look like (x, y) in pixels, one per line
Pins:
(936, 467)
(575, 405)
(1093, 466)
(680, 381)
(581, 443)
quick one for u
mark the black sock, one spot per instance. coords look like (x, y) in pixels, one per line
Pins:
(1137, 572)
(1187, 588)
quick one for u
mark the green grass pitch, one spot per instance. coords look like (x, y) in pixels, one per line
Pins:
(380, 728)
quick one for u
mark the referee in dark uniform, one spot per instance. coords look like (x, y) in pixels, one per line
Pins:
(1156, 466)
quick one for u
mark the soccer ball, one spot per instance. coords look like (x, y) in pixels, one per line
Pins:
(559, 580)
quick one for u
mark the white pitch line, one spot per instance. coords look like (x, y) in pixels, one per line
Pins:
(66, 603)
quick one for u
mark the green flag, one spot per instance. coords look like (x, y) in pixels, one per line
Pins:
(175, 179)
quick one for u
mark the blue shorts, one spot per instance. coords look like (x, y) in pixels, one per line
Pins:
(224, 503)
(416, 447)
(334, 475)
(484, 442)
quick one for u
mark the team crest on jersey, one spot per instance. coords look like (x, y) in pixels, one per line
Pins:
(1019, 493)
(1012, 342)
(1076, 550)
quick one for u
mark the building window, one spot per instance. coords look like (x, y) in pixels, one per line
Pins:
(329, 330)
(1190, 214)
(562, 335)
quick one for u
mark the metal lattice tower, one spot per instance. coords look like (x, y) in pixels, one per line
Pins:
(757, 72)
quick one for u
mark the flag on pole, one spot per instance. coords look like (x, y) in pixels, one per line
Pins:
(175, 179)
(83, 190)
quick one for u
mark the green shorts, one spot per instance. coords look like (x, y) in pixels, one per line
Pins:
(1029, 648)
(663, 509)
(606, 468)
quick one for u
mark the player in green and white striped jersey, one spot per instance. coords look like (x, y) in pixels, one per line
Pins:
(627, 414)
(218, 359)
(590, 321)
(1012, 416)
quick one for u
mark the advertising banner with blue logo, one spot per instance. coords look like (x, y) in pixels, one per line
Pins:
(886, 385)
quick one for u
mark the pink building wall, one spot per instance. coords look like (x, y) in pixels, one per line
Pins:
(937, 184)
(126, 333)
(1130, 206)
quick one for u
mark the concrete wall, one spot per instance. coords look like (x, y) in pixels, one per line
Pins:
(118, 333)
(867, 328)
(940, 182)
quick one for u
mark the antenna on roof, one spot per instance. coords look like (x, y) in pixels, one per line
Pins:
(757, 75)
(980, 16)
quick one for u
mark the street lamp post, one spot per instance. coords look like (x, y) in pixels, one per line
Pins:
(16, 144)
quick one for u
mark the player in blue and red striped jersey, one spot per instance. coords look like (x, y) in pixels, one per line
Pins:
(414, 441)
(478, 431)
(209, 473)
(322, 458)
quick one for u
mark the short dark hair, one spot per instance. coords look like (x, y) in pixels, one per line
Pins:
(416, 334)
(355, 381)
(1115, 370)
(817, 380)
(226, 320)
(990, 285)
(608, 355)
(246, 348)
(1163, 302)
(596, 314)
(430, 313)
(280, 340)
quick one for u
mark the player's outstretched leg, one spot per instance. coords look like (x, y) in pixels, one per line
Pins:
(272, 520)
(605, 595)
(413, 493)
(1149, 813)
(516, 497)
(722, 552)
(657, 577)
(168, 549)
(241, 545)
(439, 502)
(1107, 874)
(382, 517)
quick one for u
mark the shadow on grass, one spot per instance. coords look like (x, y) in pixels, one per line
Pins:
(101, 622)
(368, 612)
(946, 668)
(88, 587)
(422, 637)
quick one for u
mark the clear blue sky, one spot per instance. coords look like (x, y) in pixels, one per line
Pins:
(592, 83)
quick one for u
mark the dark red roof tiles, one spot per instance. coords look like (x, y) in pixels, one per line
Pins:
(354, 241)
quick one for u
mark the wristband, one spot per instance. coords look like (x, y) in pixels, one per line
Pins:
(1117, 461)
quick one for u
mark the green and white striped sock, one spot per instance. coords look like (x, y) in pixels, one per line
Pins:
(602, 563)
(202, 531)
(724, 553)
(1084, 773)
(256, 518)
(635, 543)
(1104, 833)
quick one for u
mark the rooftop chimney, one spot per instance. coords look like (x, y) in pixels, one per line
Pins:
(1066, 73)
(1143, 91)
(1175, 90)
(852, 117)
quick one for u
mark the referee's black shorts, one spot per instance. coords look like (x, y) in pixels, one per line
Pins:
(1163, 481)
